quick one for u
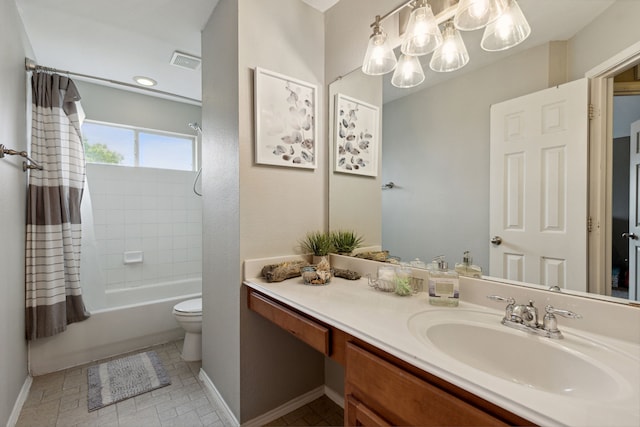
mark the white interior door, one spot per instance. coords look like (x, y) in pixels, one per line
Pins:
(538, 189)
(634, 213)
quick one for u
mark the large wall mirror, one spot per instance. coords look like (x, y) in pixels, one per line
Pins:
(435, 148)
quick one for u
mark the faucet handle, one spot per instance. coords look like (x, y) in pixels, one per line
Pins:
(550, 324)
(508, 311)
(564, 313)
(509, 300)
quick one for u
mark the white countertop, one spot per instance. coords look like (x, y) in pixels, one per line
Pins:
(381, 319)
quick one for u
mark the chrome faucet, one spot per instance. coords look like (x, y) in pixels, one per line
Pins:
(524, 317)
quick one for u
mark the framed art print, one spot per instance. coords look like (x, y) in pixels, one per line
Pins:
(356, 136)
(285, 129)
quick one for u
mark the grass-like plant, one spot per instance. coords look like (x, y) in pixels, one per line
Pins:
(345, 241)
(318, 243)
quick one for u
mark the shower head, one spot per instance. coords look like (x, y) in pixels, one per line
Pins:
(195, 126)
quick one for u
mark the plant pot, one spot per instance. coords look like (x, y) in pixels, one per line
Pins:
(319, 258)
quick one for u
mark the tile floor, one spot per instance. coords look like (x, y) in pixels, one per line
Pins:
(321, 412)
(60, 400)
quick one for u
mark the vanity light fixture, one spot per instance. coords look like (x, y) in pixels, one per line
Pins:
(452, 54)
(379, 58)
(505, 26)
(509, 30)
(408, 72)
(423, 35)
(476, 14)
(145, 81)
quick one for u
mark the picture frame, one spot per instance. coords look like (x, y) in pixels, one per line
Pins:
(356, 136)
(286, 132)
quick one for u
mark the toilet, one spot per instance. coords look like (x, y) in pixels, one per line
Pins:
(189, 315)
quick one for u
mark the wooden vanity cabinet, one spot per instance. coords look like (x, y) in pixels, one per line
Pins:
(382, 393)
(380, 389)
(300, 326)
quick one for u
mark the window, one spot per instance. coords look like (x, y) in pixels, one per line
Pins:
(127, 146)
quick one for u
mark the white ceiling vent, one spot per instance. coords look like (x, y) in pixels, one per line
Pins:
(184, 60)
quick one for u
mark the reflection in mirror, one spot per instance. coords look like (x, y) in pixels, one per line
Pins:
(141, 147)
(436, 150)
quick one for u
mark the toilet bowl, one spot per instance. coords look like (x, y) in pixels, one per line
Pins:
(189, 315)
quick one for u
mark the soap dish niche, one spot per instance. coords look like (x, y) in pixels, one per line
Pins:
(133, 257)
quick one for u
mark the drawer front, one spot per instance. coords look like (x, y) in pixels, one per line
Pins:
(405, 399)
(312, 333)
(358, 414)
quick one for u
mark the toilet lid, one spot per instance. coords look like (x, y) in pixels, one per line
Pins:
(189, 306)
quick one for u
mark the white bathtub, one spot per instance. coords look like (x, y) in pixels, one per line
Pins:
(118, 298)
(131, 325)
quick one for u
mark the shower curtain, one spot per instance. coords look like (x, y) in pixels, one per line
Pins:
(53, 294)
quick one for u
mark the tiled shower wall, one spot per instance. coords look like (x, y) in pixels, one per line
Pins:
(150, 210)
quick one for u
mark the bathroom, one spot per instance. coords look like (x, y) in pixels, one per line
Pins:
(242, 355)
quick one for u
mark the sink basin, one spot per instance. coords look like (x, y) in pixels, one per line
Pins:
(570, 367)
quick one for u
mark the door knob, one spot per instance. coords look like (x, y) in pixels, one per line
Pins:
(632, 236)
(497, 240)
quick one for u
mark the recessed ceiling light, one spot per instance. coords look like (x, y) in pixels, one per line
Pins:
(145, 81)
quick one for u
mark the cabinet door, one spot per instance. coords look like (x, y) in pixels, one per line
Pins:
(358, 414)
(389, 392)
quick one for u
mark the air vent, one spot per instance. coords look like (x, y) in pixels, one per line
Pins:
(184, 60)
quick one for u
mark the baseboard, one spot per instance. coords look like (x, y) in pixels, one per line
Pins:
(282, 410)
(218, 399)
(22, 397)
(336, 397)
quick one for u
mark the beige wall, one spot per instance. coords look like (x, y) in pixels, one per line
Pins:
(13, 353)
(279, 205)
(254, 210)
(614, 30)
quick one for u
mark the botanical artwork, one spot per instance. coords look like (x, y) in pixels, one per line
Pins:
(356, 136)
(286, 110)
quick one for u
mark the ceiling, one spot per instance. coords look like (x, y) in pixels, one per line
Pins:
(119, 39)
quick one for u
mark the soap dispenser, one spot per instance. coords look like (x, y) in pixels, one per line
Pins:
(444, 287)
(466, 267)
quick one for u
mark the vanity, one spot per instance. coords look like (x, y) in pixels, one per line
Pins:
(409, 363)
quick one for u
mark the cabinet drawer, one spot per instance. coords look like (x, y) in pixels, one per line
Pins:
(314, 334)
(404, 399)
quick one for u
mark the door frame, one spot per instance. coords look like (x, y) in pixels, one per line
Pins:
(601, 166)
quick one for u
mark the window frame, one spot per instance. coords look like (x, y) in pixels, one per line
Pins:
(136, 143)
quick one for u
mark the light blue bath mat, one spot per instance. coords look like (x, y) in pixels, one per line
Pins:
(120, 379)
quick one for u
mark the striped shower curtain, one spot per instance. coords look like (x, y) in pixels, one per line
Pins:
(53, 294)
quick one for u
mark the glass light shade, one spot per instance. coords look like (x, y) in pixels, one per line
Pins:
(379, 58)
(452, 53)
(474, 14)
(423, 34)
(408, 73)
(509, 30)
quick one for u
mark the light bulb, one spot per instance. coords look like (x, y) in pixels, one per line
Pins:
(474, 14)
(479, 9)
(507, 31)
(379, 58)
(504, 26)
(408, 73)
(423, 35)
(452, 55)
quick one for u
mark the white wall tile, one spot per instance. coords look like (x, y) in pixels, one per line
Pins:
(150, 210)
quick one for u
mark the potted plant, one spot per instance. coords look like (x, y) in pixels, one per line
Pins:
(319, 243)
(345, 241)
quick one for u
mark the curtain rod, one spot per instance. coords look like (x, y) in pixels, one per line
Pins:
(30, 65)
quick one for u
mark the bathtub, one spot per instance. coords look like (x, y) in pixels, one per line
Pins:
(136, 295)
(130, 324)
